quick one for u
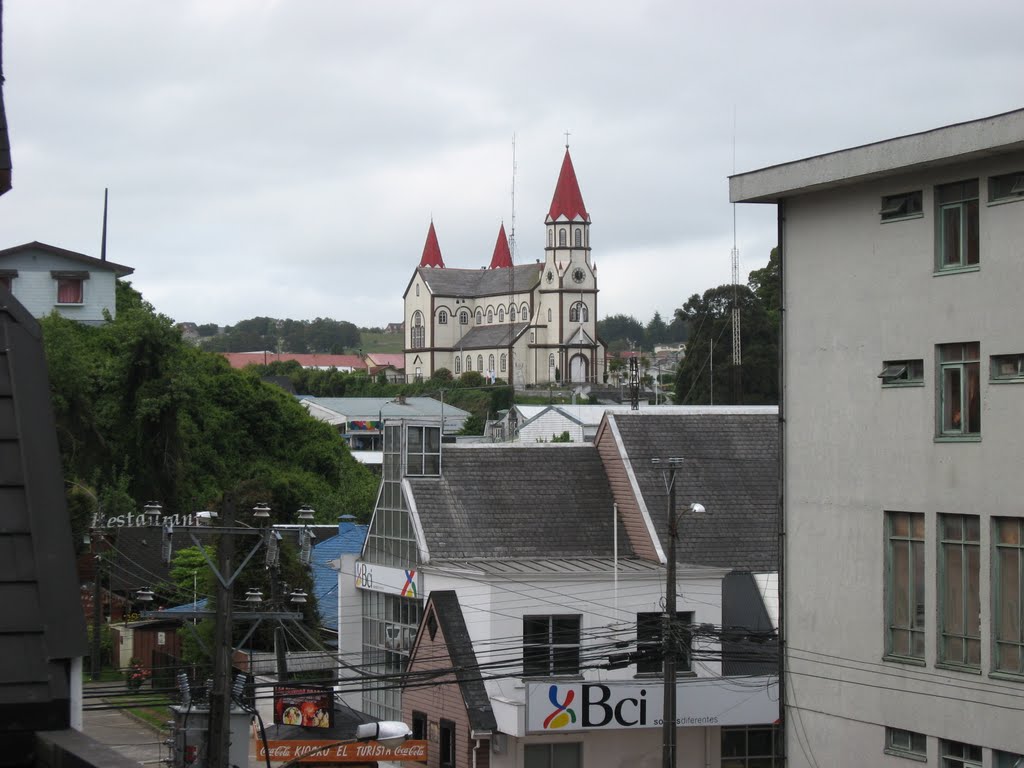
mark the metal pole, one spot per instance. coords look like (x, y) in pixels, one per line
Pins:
(668, 638)
(220, 696)
(97, 615)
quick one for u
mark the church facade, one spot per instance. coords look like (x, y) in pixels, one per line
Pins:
(533, 324)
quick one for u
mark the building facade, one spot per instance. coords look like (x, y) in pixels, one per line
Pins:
(904, 532)
(525, 323)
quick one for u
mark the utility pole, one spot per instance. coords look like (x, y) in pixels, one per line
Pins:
(220, 696)
(668, 627)
(97, 616)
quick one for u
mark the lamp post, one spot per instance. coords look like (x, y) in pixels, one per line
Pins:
(668, 639)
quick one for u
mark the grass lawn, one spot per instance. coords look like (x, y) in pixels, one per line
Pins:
(381, 342)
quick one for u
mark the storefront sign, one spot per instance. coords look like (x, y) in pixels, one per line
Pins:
(344, 752)
(140, 520)
(563, 707)
(393, 581)
(310, 706)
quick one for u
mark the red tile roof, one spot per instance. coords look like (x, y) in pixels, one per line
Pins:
(431, 250)
(567, 201)
(502, 255)
(242, 359)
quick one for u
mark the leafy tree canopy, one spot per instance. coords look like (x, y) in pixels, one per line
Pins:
(322, 336)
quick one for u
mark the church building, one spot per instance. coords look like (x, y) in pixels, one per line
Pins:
(533, 324)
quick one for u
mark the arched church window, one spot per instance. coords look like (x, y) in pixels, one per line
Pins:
(578, 313)
(561, 237)
(464, 317)
(501, 314)
(458, 365)
(504, 362)
(480, 363)
(417, 289)
(551, 237)
(526, 312)
(479, 316)
(469, 362)
(442, 318)
(551, 360)
(490, 363)
(512, 313)
(418, 334)
(578, 237)
(549, 314)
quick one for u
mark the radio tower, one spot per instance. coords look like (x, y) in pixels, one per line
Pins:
(737, 357)
(512, 277)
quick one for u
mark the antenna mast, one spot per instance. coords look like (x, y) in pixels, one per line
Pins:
(512, 279)
(737, 357)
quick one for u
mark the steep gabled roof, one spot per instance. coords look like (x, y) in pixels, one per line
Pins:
(431, 250)
(443, 605)
(567, 200)
(517, 501)
(118, 269)
(477, 283)
(502, 255)
(730, 465)
(492, 336)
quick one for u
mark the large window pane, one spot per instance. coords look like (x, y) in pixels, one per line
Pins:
(905, 584)
(1008, 589)
(959, 593)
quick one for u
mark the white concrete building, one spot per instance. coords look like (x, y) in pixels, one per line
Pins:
(903, 571)
(45, 279)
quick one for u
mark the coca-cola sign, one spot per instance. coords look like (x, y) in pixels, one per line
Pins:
(340, 751)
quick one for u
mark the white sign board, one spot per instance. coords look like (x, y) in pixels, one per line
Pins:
(556, 707)
(392, 581)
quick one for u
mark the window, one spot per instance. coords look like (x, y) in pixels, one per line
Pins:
(442, 318)
(504, 362)
(578, 238)
(512, 313)
(649, 647)
(423, 453)
(70, 290)
(551, 237)
(480, 363)
(960, 400)
(7, 277)
(469, 362)
(464, 317)
(1002, 759)
(903, 206)
(953, 754)
(419, 725)
(551, 361)
(1008, 595)
(417, 289)
(557, 755)
(959, 600)
(750, 747)
(578, 313)
(958, 224)
(417, 332)
(1007, 368)
(1009, 186)
(490, 315)
(490, 363)
(902, 373)
(561, 238)
(479, 316)
(458, 364)
(904, 599)
(501, 314)
(549, 314)
(551, 645)
(906, 743)
(525, 312)
(447, 746)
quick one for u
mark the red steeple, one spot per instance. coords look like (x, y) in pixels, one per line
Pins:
(567, 201)
(431, 250)
(502, 255)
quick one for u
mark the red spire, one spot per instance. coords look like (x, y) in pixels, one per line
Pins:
(567, 201)
(431, 250)
(502, 255)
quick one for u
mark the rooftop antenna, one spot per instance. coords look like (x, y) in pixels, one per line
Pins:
(103, 237)
(512, 278)
(736, 352)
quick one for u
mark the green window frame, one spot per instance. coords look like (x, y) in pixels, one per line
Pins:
(423, 452)
(1006, 187)
(902, 373)
(1006, 368)
(551, 645)
(959, 590)
(906, 744)
(959, 387)
(905, 585)
(1008, 595)
(553, 755)
(957, 221)
(955, 754)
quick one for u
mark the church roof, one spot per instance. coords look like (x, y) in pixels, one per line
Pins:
(431, 250)
(491, 336)
(480, 282)
(486, 502)
(567, 201)
(502, 255)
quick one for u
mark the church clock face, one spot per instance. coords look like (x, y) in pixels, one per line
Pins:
(550, 276)
(578, 275)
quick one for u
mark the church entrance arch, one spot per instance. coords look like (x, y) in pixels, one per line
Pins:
(578, 369)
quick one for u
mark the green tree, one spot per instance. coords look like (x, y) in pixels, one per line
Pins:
(766, 283)
(621, 332)
(656, 331)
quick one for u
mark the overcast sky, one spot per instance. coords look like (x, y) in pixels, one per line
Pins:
(285, 157)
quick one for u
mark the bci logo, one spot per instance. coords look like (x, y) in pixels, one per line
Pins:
(597, 708)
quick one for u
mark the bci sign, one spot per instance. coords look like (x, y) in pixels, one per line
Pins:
(555, 707)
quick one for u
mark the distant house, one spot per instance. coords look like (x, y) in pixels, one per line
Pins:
(45, 278)
(395, 328)
(347, 363)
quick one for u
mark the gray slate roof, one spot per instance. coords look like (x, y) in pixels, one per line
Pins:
(730, 466)
(41, 624)
(504, 501)
(491, 336)
(479, 282)
(463, 658)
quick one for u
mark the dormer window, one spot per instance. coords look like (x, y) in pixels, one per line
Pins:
(70, 286)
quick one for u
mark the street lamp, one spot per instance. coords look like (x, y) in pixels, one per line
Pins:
(668, 626)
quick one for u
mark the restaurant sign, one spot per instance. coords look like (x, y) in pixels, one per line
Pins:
(310, 706)
(340, 752)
